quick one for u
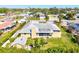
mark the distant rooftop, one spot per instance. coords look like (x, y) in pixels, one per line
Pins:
(5, 24)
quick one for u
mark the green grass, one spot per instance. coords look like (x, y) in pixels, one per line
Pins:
(12, 50)
(64, 41)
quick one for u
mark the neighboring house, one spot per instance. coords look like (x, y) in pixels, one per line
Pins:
(2, 14)
(26, 15)
(21, 21)
(71, 25)
(76, 16)
(41, 16)
(23, 15)
(65, 23)
(5, 25)
(36, 29)
(74, 28)
(53, 18)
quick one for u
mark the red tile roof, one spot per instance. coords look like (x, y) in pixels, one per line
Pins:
(5, 24)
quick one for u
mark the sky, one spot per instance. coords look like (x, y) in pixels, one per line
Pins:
(38, 6)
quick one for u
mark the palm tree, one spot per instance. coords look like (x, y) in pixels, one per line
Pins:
(60, 18)
(70, 15)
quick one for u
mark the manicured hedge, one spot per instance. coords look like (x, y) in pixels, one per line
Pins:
(62, 50)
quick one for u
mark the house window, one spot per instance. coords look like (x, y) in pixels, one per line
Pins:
(44, 34)
(56, 30)
(30, 32)
(44, 29)
(24, 33)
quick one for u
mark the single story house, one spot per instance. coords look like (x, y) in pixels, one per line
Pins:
(5, 25)
(65, 23)
(23, 14)
(37, 29)
(76, 16)
(42, 16)
(2, 14)
(21, 20)
(71, 25)
(26, 15)
(74, 28)
(53, 18)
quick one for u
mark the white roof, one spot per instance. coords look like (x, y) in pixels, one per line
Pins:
(1, 14)
(22, 20)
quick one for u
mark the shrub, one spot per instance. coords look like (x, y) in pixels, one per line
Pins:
(63, 50)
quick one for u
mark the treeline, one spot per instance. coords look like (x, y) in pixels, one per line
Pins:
(52, 10)
(44, 10)
(4, 10)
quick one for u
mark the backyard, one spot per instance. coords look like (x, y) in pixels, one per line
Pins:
(66, 41)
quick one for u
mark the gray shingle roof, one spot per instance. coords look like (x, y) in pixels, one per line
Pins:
(43, 28)
(25, 30)
(40, 27)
